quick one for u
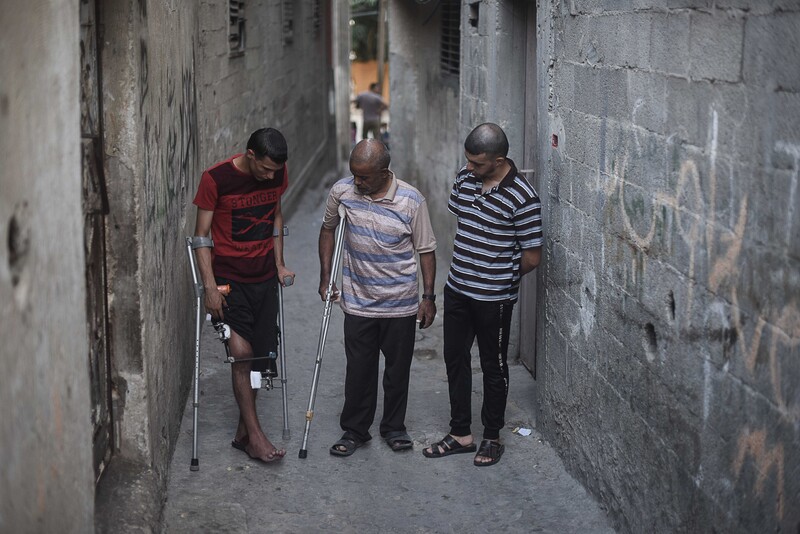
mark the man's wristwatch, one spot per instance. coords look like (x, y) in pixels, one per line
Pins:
(430, 297)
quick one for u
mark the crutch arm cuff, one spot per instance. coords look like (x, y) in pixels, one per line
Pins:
(202, 242)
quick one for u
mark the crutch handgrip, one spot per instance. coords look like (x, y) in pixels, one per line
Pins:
(288, 280)
(309, 416)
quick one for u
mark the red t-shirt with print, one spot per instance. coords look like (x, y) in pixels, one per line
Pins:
(244, 217)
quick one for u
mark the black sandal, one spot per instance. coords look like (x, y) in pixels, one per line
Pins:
(349, 442)
(489, 449)
(447, 446)
(399, 440)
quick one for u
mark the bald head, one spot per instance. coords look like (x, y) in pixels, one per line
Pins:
(370, 153)
(489, 139)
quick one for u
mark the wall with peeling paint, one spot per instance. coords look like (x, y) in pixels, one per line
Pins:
(176, 102)
(672, 272)
(45, 431)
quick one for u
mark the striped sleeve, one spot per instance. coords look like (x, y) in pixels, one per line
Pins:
(528, 220)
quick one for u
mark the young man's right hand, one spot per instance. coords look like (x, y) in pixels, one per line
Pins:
(215, 302)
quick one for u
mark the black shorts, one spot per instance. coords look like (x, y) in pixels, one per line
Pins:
(252, 312)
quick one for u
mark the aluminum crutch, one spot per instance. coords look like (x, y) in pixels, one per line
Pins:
(326, 316)
(282, 352)
(223, 333)
(198, 294)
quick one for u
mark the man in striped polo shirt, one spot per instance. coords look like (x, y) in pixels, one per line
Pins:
(498, 240)
(387, 226)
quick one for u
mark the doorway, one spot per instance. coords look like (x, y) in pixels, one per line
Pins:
(528, 287)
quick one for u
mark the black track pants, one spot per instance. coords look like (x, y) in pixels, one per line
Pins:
(464, 320)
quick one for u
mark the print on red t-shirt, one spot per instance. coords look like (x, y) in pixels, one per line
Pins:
(244, 217)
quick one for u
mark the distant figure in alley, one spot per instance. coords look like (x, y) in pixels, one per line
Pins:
(372, 105)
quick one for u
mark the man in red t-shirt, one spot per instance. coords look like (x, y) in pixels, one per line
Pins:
(239, 202)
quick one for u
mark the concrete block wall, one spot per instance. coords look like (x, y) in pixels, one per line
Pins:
(45, 429)
(426, 140)
(170, 160)
(151, 148)
(493, 71)
(432, 113)
(672, 269)
(174, 104)
(285, 85)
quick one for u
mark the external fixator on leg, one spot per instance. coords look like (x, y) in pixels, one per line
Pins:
(258, 379)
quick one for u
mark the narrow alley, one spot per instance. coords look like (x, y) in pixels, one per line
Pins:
(375, 490)
(655, 342)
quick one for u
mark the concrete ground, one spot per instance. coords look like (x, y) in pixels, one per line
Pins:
(376, 489)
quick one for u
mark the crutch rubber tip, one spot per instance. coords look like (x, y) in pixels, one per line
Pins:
(195, 465)
(303, 453)
(287, 434)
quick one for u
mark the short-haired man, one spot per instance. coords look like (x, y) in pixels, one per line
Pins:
(387, 225)
(372, 105)
(499, 239)
(239, 202)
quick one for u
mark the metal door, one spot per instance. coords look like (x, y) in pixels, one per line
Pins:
(528, 297)
(95, 209)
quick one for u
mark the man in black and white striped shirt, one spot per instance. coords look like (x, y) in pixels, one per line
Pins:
(499, 239)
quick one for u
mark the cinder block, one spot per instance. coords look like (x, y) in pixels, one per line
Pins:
(621, 40)
(563, 312)
(770, 127)
(589, 6)
(688, 4)
(557, 258)
(760, 7)
(735, 140)
(688, 110)
(772, 51)
(647, 96)
(602, 92)
(665, 298)
(669, 43)
(608, 39)
(575, 40)
(556, 354)
(716, 46)
(581, 137)
(584, 188)
(564, 84)
(569, 226)
(618, 5)
(769, 205)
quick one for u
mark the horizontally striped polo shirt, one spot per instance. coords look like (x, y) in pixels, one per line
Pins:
(493, 229)
(379, 268)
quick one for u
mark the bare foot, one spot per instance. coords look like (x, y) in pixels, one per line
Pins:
(263, 449)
